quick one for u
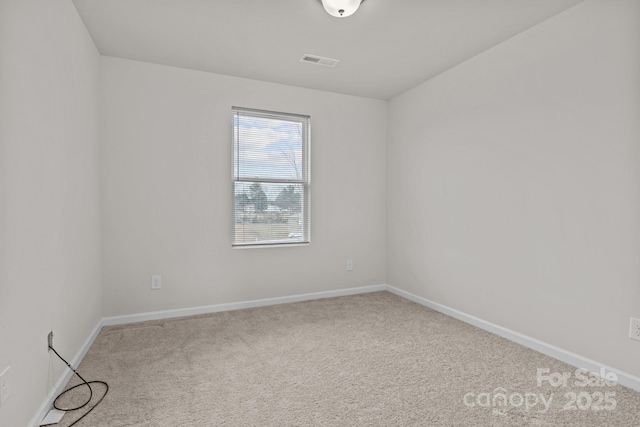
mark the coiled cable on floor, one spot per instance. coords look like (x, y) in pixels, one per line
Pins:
(84, 383)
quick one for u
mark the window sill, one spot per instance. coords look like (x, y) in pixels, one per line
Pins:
(270, 245)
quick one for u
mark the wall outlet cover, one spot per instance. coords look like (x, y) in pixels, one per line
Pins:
(634, 329)
(156, 281)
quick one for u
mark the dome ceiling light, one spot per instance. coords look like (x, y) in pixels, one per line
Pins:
(341, 8)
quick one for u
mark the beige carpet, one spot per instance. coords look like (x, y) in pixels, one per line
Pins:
(364, 360)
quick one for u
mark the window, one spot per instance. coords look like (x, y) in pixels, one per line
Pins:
(270, 178)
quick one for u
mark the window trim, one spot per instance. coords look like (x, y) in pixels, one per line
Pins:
(305, 120)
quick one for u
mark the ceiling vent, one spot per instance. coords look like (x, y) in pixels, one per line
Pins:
(319, 60)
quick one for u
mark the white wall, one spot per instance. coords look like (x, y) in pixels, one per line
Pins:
(514, 184)
(167, 190)
(49, 195)
(513, 188)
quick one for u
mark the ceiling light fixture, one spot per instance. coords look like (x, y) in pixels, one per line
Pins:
(341, 8)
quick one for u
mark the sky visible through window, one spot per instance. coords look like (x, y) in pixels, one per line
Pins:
(268, 149)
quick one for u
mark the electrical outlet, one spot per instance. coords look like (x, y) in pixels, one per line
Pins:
(5, 390)
(634, 329)
(349, 265)
(156, 281)
(50, 340)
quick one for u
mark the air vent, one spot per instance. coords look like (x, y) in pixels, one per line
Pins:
(319, 60)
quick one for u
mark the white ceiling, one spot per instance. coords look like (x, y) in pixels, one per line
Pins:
(385, 48)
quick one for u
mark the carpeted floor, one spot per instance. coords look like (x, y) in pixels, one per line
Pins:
(364, 360)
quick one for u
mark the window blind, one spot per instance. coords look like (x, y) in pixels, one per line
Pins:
(271, 182)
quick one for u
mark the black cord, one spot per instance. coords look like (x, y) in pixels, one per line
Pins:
(84, 383)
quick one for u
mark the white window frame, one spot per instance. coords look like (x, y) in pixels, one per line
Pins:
(304, 181)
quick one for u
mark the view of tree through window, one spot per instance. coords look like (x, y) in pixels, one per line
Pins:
(270, 178)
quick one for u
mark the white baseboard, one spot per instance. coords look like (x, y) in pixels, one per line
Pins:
(181, 312)
(166, 314)
(59, 386)
(625, 379)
